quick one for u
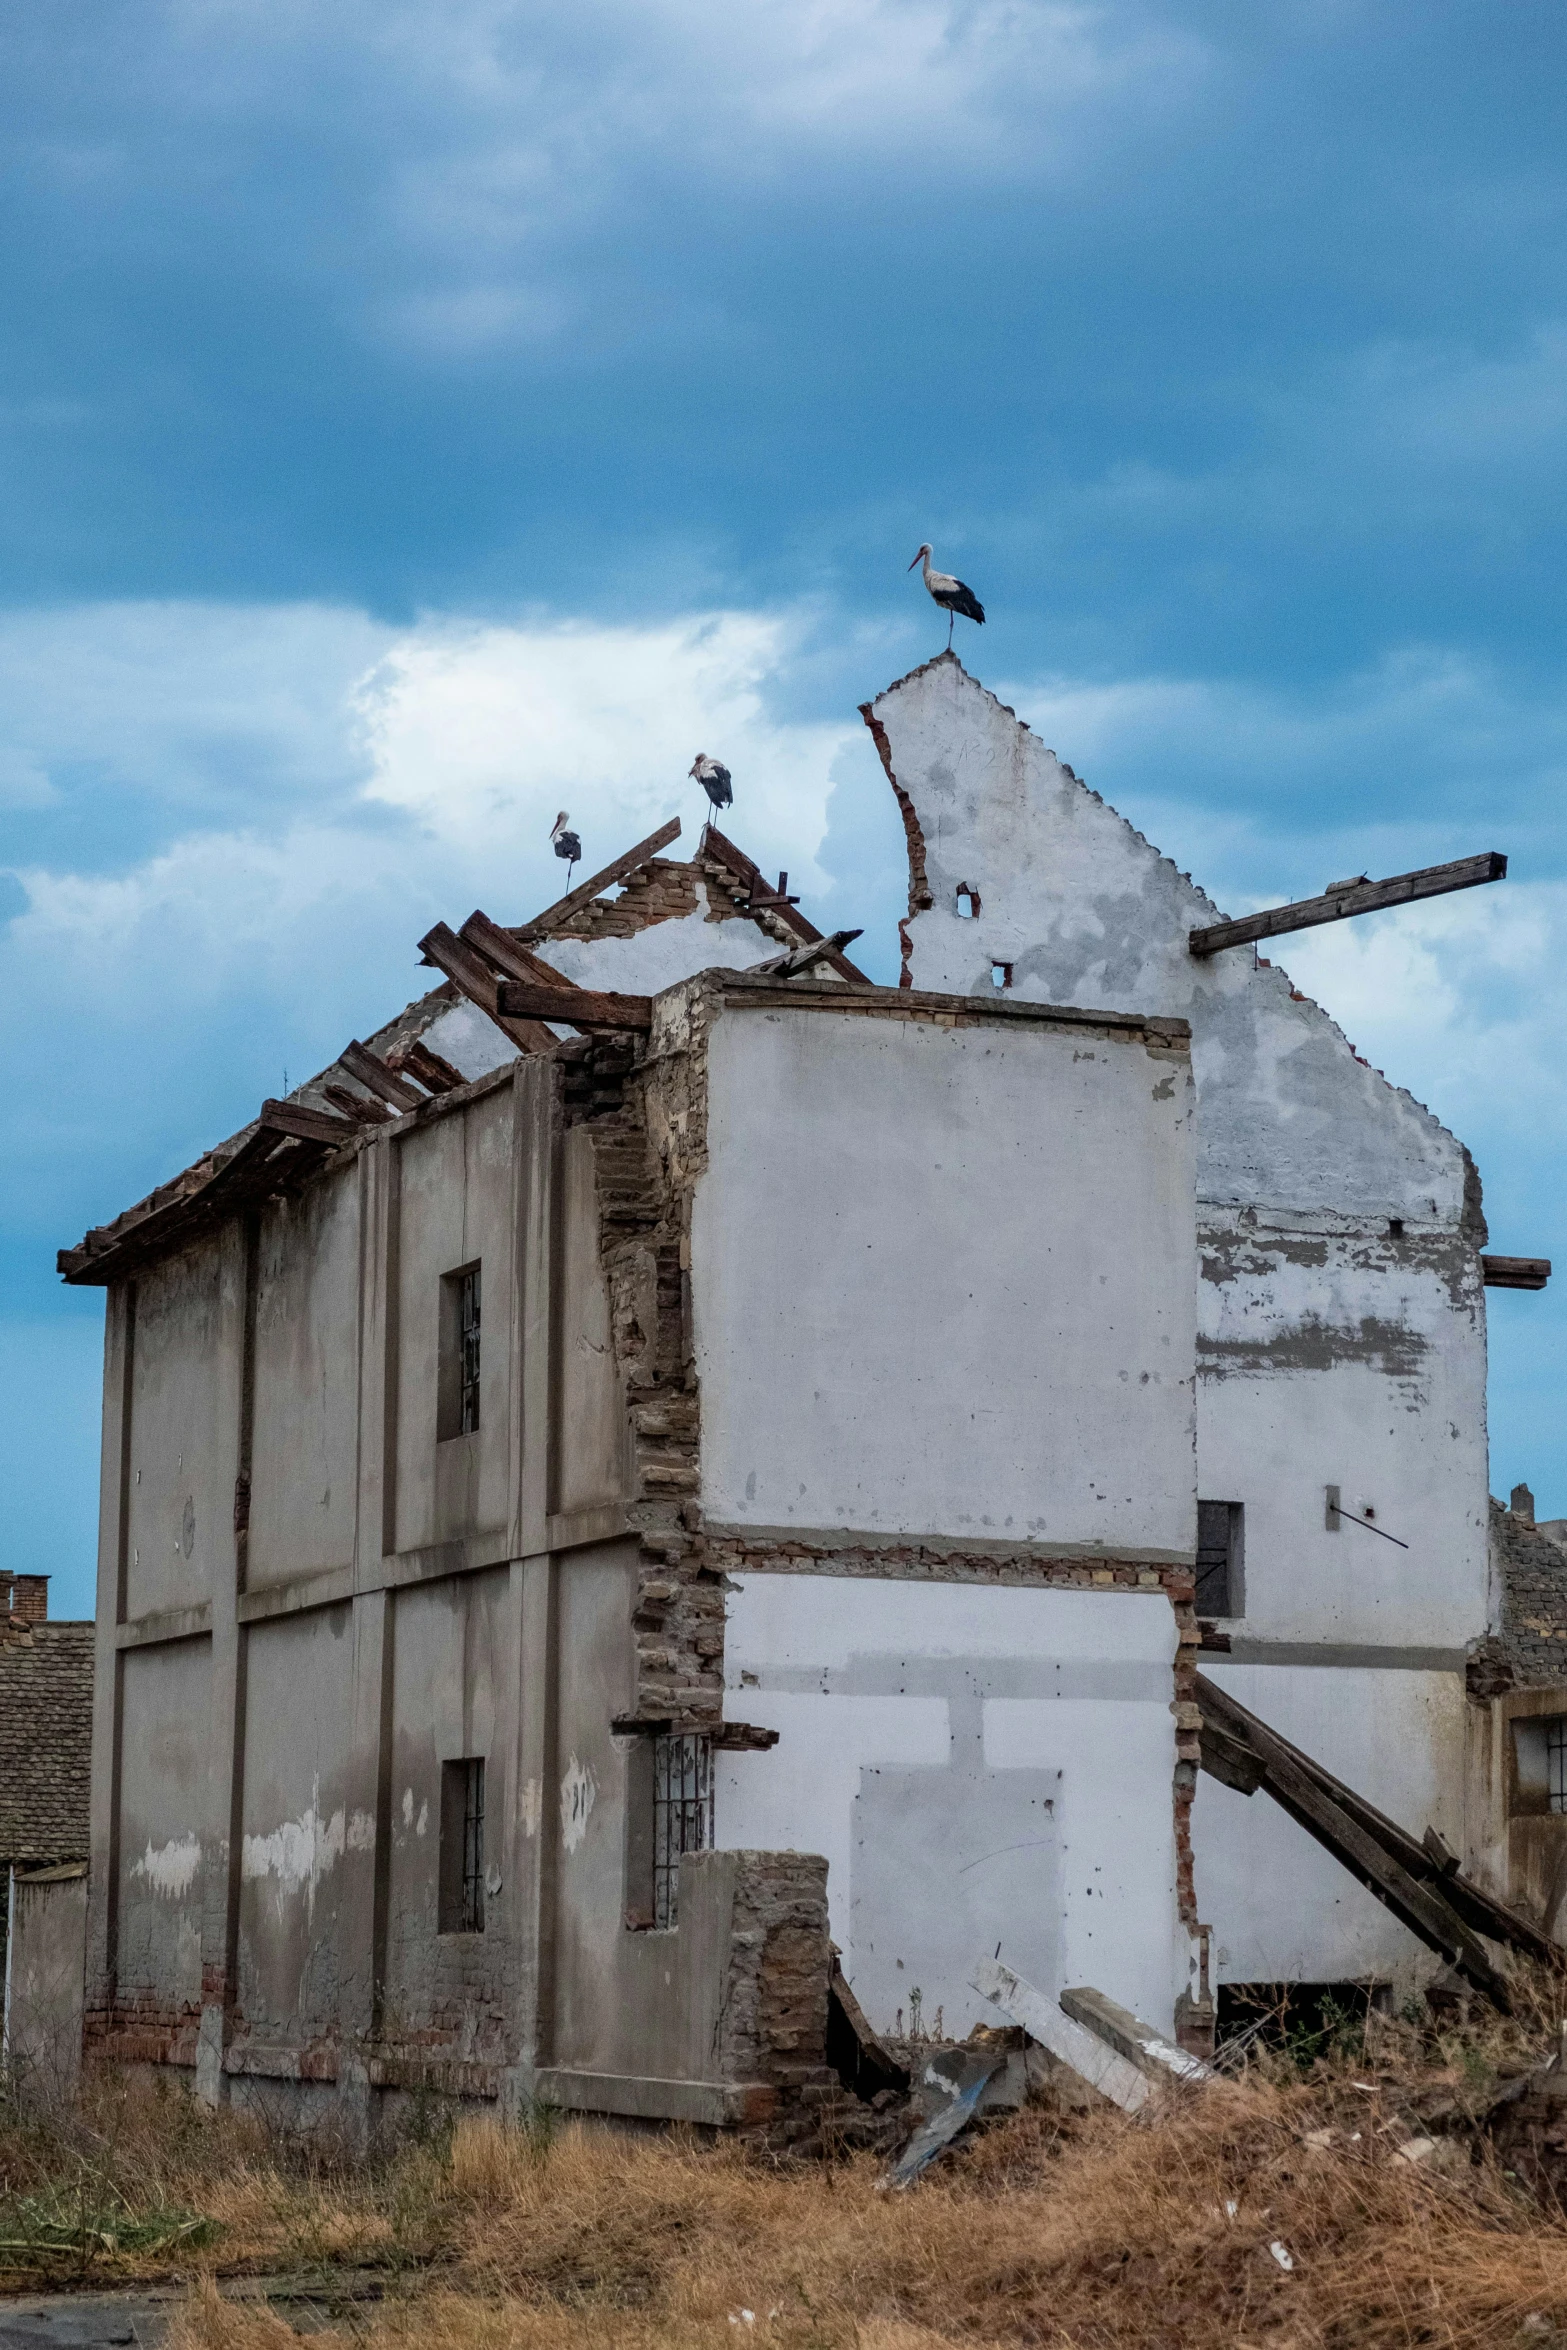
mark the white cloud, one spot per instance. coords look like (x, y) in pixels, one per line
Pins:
(484, 732)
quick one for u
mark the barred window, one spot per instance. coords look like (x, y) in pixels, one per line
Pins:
(682, 1813)
(468, 1366)
(462, 1846)
(458, 1391)
(1220, 1537)
(1556, 1760)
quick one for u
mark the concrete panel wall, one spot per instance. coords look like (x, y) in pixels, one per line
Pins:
(943, 1281)
(305, 1459)
(170, 1822)
(1279, 1905)
(455, 1678)
(184, 1428)
(979, 1766)
(456, 1208)
(298, 1824)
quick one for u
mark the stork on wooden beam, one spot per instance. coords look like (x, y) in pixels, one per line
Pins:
(1343, 898)
(951, 594)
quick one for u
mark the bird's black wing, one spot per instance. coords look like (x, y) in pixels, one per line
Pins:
(966, 602)
(717, 787)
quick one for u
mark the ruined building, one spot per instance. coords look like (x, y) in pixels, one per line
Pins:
(670, 1457)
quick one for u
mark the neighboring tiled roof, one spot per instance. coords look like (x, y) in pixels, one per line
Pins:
(46, 1678)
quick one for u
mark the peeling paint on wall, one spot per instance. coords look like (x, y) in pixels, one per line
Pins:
(532, 1807)
(578, 1789)
(170, 1868)
(300, 1852)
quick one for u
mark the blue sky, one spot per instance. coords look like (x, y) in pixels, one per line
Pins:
(415, 418)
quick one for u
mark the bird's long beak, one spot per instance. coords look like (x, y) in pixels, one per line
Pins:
(916, 559)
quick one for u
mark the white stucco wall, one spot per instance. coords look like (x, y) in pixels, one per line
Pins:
(980, 1766)
(943, 1281)
(1332, 1348)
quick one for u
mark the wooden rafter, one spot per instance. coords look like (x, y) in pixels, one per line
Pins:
(586, 891)
(1346, 898)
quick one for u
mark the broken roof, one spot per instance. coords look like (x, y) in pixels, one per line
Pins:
(656, 930)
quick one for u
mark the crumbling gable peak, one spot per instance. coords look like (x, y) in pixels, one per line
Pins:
(1079, 905)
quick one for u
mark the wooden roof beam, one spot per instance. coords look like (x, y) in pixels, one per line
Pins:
(1345, 898)
(585, 1007)
(469, 971)
(586, 891)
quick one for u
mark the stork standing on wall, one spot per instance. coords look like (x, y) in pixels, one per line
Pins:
(565, 844)
(950, 594)
(713, 776)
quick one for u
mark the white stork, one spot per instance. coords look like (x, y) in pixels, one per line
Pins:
(565, 844)
(950, 594)
(713, 776)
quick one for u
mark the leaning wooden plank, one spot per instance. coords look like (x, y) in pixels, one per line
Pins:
(357, 1105)
(431, 1070)
(802, 958)
(1478, 1909)
(309, 1125)
(1515, 1272)
(469, 971)
(373, 1073)
(1420, 1907)
(586, 891)
(1347, 898)
(1138, 2042)
(1102, 2067)
(510, 959)
(584, 1007)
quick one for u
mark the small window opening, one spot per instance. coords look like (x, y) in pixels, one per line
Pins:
(682, 1813)
(1540, 1749)
(462, 1847)
(1220, 1546)
(1000, 975)
(457, 1402)
(1395, 1227)
(968, 902)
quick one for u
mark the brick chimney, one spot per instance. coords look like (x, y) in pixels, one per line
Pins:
(1521, 1504)
(29, 1599)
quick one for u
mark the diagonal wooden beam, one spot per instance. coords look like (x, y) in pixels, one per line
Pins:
(749, 876)
(470, 972)
(586, 891)
(1350, 897)
(374, 1075)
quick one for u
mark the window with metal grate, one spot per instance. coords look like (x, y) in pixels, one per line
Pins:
(462, 1846)
(682, 1813)
(1220, 1540)
(1556, 1760)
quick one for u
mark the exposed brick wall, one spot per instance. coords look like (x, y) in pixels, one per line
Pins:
(1530, 1649)
(647, 1130)
(662, 890)
(772, 2027)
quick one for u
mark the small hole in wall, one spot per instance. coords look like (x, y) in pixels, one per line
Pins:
(968, 902)
(1395, 1227)
(1001, 975)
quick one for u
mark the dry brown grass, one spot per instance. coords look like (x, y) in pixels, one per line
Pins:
(1053, 2229)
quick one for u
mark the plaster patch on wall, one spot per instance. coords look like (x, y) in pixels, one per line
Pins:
(299, 1852)
(532, 1807)
(408, 1807)
(361, 1832)
(578, 1789)
(170, 1868)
